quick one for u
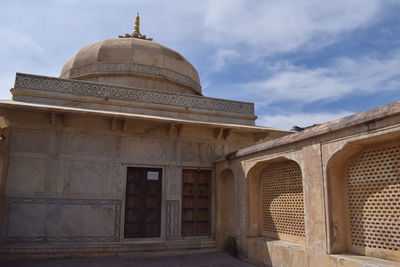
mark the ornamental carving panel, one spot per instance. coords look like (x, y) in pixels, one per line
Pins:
(172, 220)
(79, 88)
(84, 177)
(134, 68)
(87, 145)
(190, 151)
(141, 148)
(116, 183)
(199, 152)
(62, 220)
(26, 175)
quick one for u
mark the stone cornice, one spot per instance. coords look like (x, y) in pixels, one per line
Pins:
(129, 67)
(368, 117)
(91, 89)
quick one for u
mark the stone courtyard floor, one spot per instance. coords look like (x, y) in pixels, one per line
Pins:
(213, 259)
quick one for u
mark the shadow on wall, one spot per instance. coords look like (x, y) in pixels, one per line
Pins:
(226, 211)
(282, 203)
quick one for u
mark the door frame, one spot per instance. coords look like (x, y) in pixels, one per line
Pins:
(163, 196)
(212, 199)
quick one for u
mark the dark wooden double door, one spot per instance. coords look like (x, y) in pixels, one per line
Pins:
(196, 202)
(143, 202)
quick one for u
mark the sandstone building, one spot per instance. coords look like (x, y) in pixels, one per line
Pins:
(123, 153)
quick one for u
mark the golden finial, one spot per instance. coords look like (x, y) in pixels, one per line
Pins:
(136, 31)
(136, 28)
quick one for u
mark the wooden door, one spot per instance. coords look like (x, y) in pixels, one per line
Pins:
(143, 202)
(196, 202)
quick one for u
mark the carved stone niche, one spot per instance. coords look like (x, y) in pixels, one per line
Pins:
(267, 191)
(363, 203)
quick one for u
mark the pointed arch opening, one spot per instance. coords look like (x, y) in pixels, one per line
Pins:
(276, 201)
(364, 199)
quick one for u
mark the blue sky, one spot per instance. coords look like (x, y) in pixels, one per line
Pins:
(301, 61)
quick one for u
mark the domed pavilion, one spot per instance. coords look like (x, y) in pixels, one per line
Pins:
(116, 152)
(123, 154)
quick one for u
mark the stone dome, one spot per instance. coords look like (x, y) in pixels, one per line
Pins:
(133, 62)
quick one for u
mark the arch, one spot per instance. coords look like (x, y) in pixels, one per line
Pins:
(336, 201)
(364, 198)
(226, 206)
(276, 201)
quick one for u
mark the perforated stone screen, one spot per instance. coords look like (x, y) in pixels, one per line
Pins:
(373, 182)
(282, 199)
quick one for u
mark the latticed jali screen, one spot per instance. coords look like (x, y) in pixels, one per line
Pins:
(282, 199)
(374, 198)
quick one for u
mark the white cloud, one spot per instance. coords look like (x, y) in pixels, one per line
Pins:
(13, 40)
(222, 56)
(286, 122)
(18, 52)
(342, 77)
(285, 25)
(6, 83)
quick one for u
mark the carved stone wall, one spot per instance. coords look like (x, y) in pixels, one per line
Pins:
(65, 164)
(34, 141)
(144, 148)
(340, 197)
(89, 145)
(84, 177)
(195, 151)
(74, 174)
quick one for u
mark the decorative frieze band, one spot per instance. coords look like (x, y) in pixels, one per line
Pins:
(172, 220)
(26, 207)
(130, 67)
(80, 88)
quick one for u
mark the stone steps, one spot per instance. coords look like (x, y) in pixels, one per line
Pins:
(129, 248)
(166, 253)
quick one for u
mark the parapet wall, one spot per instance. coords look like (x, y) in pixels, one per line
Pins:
(350, 173)
(98, 96)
